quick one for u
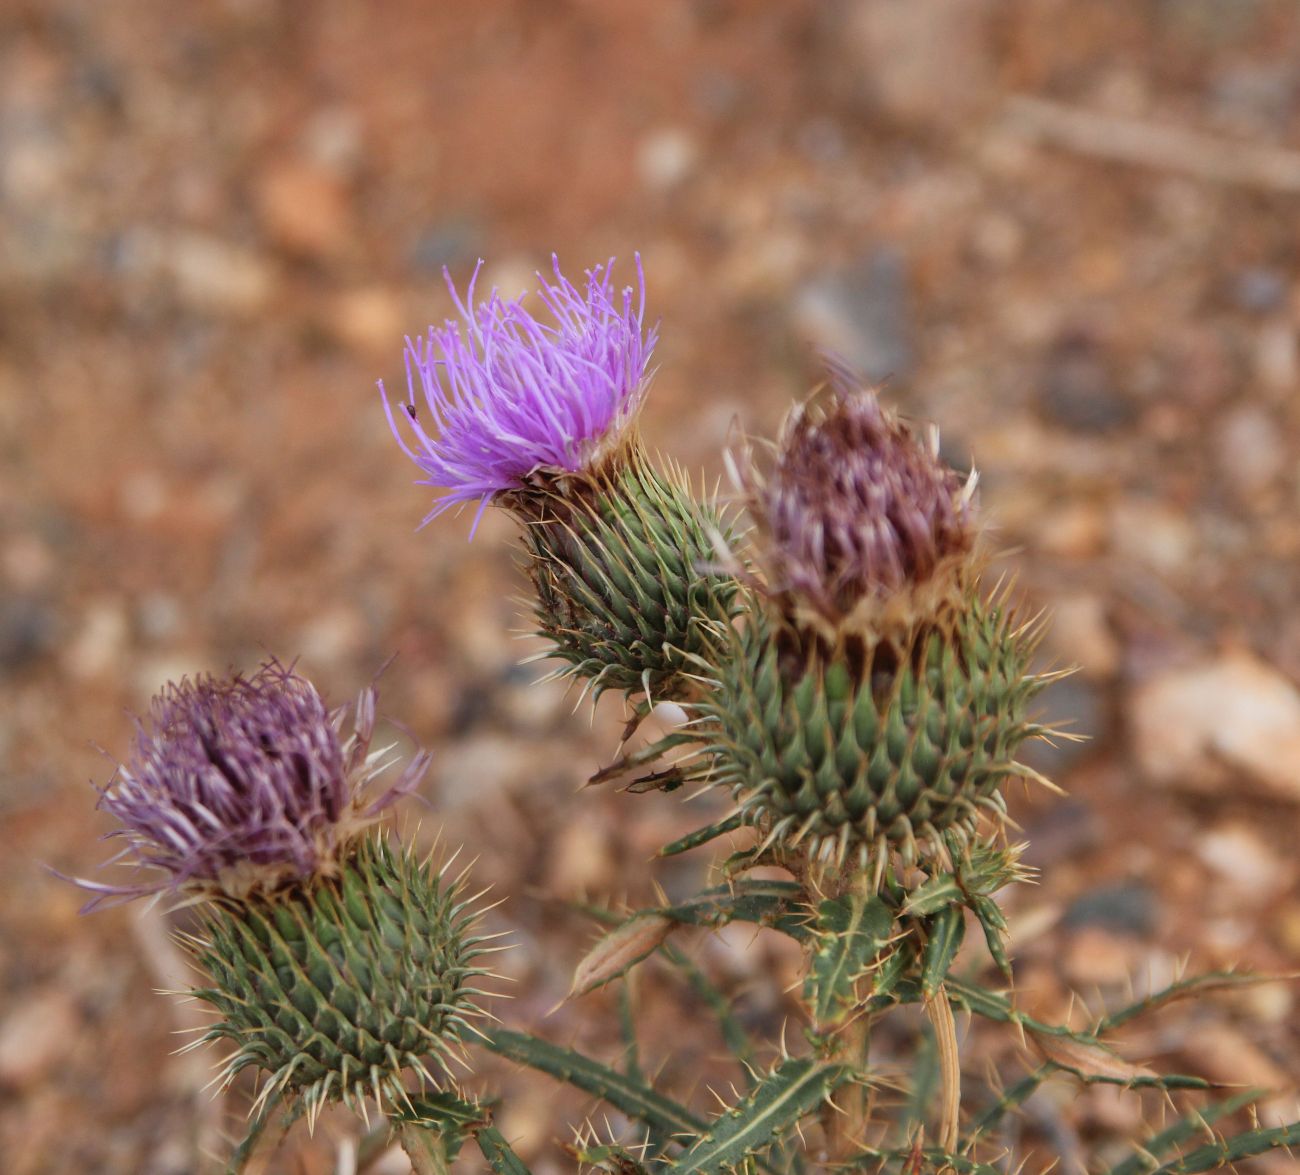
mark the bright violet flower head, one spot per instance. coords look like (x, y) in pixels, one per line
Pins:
(510, 395)
(244, 785)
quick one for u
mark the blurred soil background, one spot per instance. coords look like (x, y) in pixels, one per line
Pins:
(1067, 233)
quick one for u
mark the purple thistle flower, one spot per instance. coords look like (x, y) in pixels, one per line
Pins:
(243, 785)
(510, 395)
(855, 507)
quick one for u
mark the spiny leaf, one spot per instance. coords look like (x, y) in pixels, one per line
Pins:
(1214, 1156)
(776, 904)
(792, 1090)
(1197, 1122)
(614, 1159)
(1089, 1062)
(849, 933)
(620, 950)
(499, 1154)
(946, 930)
(702, 835)
(1017, 1095)
(440, 1110)
(1196, 985)
(625, 1093)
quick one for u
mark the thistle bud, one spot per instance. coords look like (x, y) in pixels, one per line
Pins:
(336, 963)
(872, 707)
(860, 525)
(539, 418)
(337, 988)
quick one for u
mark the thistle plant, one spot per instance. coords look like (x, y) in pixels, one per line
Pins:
(851, 683)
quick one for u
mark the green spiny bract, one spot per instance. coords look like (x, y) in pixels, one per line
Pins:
(870, 748)
(619, 562)
(337, 986)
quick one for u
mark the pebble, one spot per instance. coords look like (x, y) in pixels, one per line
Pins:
(28, 627)
(369, 318)
(1078, 390)
(1095, 957)
(666, 157)
(100, 642)
(304, 208)
(861, 315)
(1251, 449)
(1079, 634)
(1128, 907)
(1153, 534)
(1206, 725)
(36, 1036)
(923, 61)
(217, 276)
(1244, 862)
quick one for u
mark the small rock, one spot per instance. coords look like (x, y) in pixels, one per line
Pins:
(1076, 530)
(1277, 358)
(28, 626)
(35, 1038)
(581, 859)
(1245, 862)
(100, 642)
(213, 275)
(861, 315)
(453, 242)
(1128, 907)
(1080, 634)
(1251, 449)
(924, 60)
(1077, 706)
(1259, 291)
(304, 208)
(1208, 724)
(665, 157)
(1078, 391)
(369, 318)
(1152, 534)
(1097, 958)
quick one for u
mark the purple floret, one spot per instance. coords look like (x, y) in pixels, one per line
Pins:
(243, 784)
(856, 506)
(509, 395)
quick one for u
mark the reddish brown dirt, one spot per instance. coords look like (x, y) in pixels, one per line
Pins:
(219, 219)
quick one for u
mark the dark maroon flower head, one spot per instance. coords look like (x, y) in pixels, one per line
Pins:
(855, 508)
(243, 784)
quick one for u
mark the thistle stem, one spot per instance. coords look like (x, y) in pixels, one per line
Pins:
(939, 1011)
(427, 1149)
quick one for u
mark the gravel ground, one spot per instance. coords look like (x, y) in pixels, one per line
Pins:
(1066, 233)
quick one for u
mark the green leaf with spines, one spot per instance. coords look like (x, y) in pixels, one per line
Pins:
(1148, 1159)
(944, 933)
(498, 1153)
(702, 835)
(775, 904)
(794, 1089)
(1216, 1156)
(634, 1098)
(848, 935)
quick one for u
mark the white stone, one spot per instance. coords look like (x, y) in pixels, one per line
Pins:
(1211, 723)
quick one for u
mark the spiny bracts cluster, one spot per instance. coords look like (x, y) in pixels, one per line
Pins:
(338, 988)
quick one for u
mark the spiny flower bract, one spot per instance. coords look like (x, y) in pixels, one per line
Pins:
(510, 395)
(243, 784)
